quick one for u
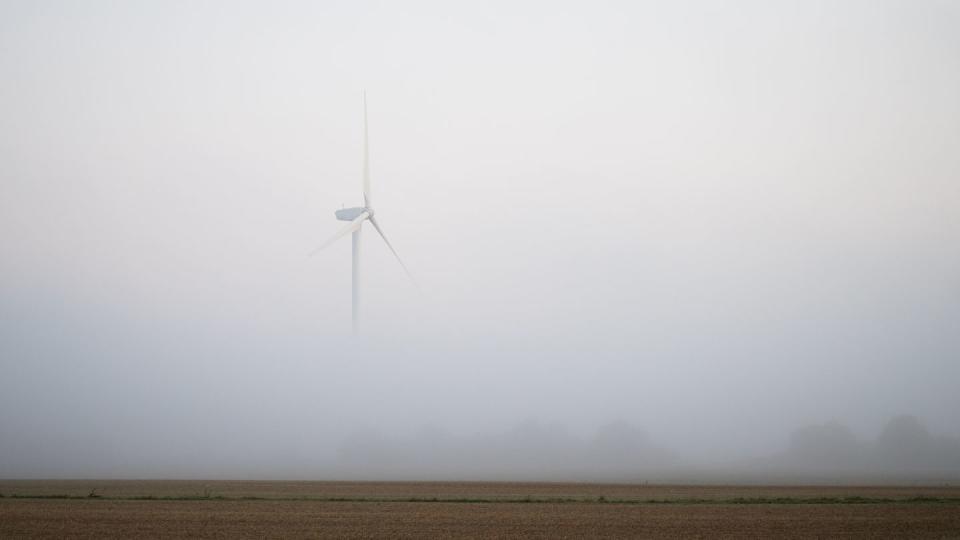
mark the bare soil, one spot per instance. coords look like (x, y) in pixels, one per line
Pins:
(500, 515)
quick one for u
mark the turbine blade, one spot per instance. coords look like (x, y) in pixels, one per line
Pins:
(405, 269)
(352, 226)
(367, 199)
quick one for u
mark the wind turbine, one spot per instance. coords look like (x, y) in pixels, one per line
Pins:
(356, 216)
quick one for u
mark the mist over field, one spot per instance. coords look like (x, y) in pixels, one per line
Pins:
(689, 241)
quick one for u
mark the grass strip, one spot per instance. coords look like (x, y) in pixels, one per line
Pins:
(513, 500)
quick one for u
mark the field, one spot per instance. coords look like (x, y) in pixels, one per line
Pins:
(218, 509)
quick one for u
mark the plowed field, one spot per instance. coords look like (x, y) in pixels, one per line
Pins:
(31, 509)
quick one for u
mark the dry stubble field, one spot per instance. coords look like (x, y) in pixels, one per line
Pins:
(126, 509)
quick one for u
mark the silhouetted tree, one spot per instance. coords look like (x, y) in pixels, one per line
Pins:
(828, 446)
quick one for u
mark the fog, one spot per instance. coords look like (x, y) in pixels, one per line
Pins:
(688, 241)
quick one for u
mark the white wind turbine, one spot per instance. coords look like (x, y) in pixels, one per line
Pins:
(356, 216)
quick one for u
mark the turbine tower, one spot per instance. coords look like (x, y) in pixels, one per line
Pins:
(356, 216)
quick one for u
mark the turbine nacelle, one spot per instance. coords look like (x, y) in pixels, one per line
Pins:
(350, 214)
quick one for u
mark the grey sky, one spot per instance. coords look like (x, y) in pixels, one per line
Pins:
(716, 221)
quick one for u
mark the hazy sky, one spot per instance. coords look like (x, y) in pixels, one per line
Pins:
(717, 221)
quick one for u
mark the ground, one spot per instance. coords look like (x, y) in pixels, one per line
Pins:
(142, 509)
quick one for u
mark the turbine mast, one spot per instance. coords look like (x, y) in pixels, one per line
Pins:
(355, 296)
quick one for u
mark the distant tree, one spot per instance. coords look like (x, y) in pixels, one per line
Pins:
(905, 444)
(621, 441)
(623, 448)
(827, 446)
